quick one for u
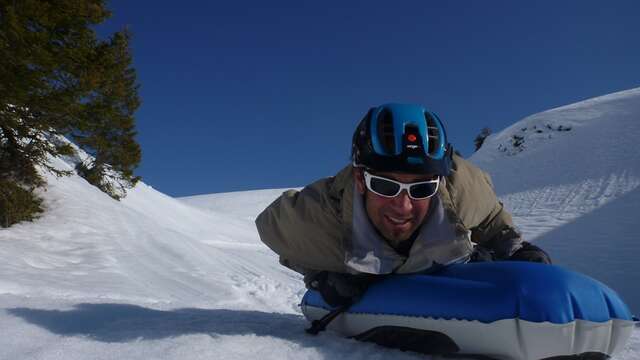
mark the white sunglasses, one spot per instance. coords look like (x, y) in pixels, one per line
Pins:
(391, 188)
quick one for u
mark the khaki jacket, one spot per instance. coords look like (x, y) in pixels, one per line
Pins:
(325, 227)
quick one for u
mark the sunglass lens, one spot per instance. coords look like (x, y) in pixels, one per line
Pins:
(384, 187)
(424, 190)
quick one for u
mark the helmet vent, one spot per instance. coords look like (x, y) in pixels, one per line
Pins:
(433, 133)
(385, 131)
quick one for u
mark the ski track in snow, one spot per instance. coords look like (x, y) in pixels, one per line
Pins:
(154, 277)
(539, 211)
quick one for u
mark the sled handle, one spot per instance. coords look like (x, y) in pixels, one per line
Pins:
(321, 324)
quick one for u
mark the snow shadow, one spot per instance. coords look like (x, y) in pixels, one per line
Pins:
(123, 322)
(604, 245)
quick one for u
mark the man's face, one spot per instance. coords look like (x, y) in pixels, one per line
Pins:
(395, 218)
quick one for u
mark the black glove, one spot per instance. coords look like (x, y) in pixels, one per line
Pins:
(339, 289)
(481, 254)
(530, 252)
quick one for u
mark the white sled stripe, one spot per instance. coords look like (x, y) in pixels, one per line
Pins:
(502, 339)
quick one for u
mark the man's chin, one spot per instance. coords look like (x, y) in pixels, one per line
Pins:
(396, 237)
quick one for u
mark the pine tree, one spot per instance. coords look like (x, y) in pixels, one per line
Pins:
(108, 130)
(58, 79)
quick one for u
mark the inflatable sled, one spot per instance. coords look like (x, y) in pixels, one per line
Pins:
(494, 310)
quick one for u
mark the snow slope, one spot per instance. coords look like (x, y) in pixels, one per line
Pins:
(154, 277)
(575, 192)
(151, 277)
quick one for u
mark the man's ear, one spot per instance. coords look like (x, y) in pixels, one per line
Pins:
(358, 178)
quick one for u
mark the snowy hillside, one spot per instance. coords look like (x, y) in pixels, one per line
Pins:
(151, 278)
(243, 205)
(154, 277)
(570, 176)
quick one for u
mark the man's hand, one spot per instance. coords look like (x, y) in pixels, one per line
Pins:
(339, 289)
(530, 252)
(481, 254)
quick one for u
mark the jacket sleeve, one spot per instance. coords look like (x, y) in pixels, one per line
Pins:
(303, 228)
(498, 233)
(480, 210)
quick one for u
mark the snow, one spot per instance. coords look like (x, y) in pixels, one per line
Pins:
(163, 278)
(575, 193)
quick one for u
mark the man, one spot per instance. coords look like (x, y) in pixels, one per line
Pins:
(407, 204)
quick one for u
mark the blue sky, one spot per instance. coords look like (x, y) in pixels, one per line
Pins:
(240, 95)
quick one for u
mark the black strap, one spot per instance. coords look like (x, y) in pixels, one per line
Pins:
(321, 324)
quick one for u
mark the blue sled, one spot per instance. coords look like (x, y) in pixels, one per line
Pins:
(497, 310)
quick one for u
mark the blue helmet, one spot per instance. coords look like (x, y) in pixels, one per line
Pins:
(402, 138)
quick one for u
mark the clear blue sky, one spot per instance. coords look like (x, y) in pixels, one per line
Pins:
(241, 95)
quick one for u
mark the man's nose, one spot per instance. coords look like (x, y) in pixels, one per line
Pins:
(402, 201)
